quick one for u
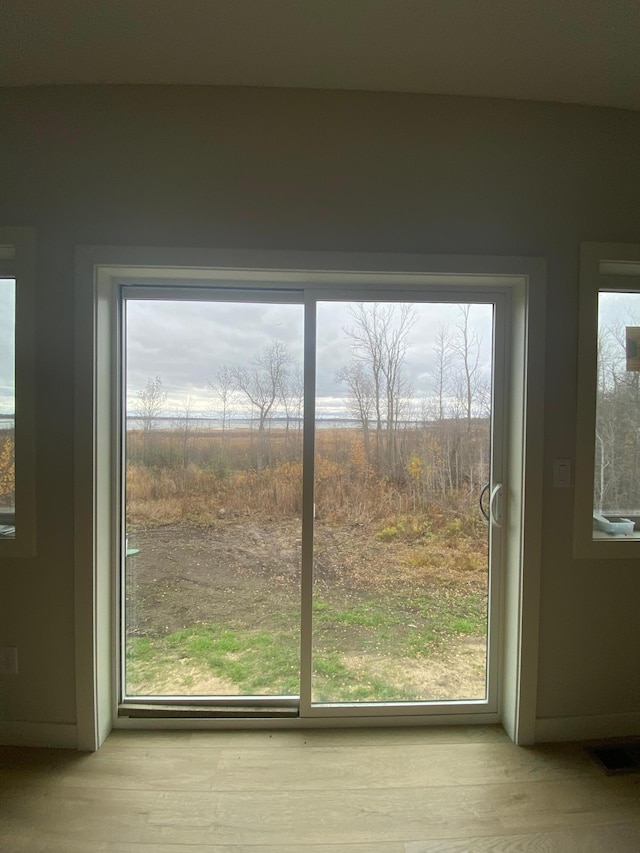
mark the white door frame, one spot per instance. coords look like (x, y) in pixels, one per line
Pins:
(308, 298)
(100, 269)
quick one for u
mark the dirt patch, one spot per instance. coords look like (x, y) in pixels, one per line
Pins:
(184, 679)
(246, 574)
(456, 674)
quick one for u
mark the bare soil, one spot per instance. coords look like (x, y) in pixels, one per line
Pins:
(243, 573)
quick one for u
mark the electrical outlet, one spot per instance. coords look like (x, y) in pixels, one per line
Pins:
(8, 660)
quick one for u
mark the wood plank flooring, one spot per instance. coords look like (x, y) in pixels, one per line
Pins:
(406, 790)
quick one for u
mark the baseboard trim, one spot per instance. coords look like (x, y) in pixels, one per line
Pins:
(549, 729)
(60, 735)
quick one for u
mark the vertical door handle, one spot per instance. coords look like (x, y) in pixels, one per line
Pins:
(495, 510)
(484, 512)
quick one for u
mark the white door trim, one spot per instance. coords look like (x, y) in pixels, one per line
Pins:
(98, 269)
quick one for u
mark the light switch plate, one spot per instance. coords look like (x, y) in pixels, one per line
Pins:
(561, 473)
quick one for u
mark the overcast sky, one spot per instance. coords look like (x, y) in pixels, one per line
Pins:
(185, 343)
(618, 310)
(7, 346)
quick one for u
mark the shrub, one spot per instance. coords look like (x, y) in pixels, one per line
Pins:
(7, 470)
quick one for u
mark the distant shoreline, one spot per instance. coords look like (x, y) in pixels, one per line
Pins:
(203, 422)
(166, 422)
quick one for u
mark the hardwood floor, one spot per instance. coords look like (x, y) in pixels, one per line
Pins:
(362, 791)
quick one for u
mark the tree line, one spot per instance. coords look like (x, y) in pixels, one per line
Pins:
(438, 442)
(617, 438)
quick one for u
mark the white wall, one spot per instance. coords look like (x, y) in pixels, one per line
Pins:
(329, 171)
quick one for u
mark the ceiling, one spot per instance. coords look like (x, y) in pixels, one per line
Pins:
(572, 51)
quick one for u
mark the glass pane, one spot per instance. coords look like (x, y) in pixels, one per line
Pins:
(7, 407)
(616, 495)
(213, 498)
(402, 456)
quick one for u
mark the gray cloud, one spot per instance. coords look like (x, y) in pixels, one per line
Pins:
(185, 343)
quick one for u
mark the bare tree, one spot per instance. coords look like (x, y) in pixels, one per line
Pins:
(366, 347)
(465, 344)
(605, 419)
(184, 425)
(262, 383)
(224, 387)
(472, 396)
(440, 373)
(360, 384)
(617, 450)
(379, 340)
(151, 401)
(292, 399)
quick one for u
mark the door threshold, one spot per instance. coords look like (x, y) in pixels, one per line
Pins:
(186, 712)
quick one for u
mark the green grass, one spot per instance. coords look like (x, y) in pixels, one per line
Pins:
(463, 626)
(363, 614)
(451, 614)
(442, 617)
(267, 663)
(256, 662)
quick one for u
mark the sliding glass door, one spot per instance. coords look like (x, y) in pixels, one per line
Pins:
(307, 482)
(402, 455)
(212, 431)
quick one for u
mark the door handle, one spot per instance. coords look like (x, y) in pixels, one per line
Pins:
(484, 491)
(495, 511)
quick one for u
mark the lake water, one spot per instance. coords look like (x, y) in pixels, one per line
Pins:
(204, 423)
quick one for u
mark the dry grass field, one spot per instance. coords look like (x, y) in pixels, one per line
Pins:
(213, 590)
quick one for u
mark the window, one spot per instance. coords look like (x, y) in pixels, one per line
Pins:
(7, 407)
(608, 463)
(17, 505)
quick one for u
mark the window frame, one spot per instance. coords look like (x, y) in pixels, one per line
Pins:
(17, 261)
(393, 289)
(604, 267)
(100, 269)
